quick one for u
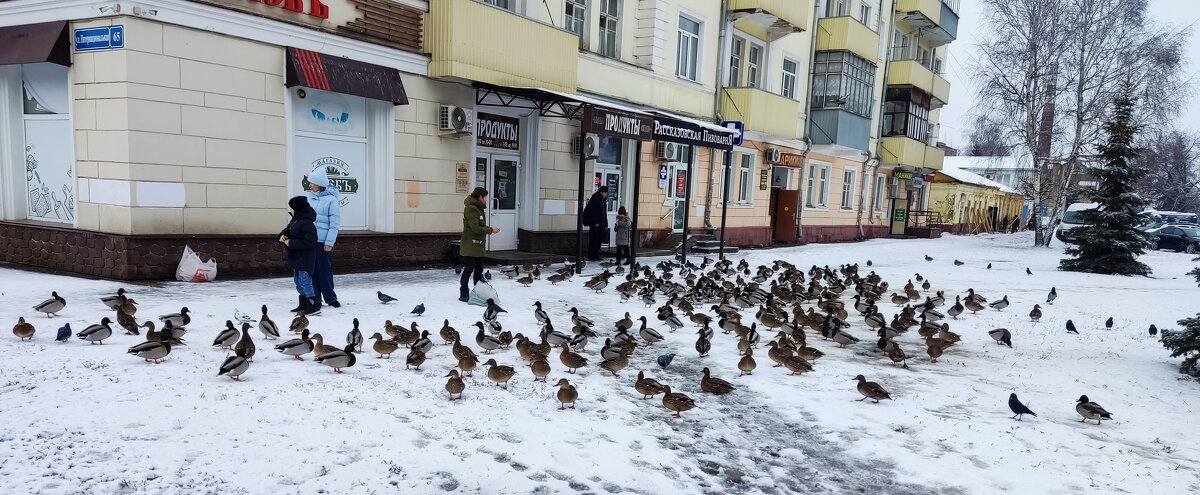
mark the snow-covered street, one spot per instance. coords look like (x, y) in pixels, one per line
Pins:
(82, 418)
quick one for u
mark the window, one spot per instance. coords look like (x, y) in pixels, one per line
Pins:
(687, 53)
(864, 15)
(788, 86)
(843, 80)
(609, 15)
(504, 4)
(575, 18)
(610, 150)
(880, 189)
(49, 166)
(902, 47)
(835, 8)
(848, 189)
(746, 179)
(736, 48)
(810, 199)
(906, 113)
(753, 61)
(817, 193)
(823, 201)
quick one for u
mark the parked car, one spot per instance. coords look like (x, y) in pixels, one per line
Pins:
(1179, 237)
(1071, 221)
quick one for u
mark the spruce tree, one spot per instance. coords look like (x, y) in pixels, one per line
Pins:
(1185, 342)
(1109, 241)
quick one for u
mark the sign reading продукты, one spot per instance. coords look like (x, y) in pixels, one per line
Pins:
(99, 38)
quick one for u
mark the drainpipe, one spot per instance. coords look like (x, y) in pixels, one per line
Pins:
(862, 192)
(887, 66)
(812, 55)
(712, 153)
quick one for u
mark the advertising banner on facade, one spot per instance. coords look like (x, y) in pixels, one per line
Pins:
(607, 122)
(346, 164)
(679, 131)
(497, 131)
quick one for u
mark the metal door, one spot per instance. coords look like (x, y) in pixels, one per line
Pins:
(500, 175)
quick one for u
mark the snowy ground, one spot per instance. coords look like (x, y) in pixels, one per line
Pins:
(79, 418)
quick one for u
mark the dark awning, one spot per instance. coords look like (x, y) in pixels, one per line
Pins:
(34, 43)
(342, 75)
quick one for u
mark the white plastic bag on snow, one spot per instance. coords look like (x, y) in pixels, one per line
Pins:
(481, 293)
(192, 269)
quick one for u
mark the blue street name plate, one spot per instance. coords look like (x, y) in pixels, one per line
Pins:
(99, 38)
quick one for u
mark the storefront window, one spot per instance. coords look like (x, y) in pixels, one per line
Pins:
(49, 162)
(610, 150)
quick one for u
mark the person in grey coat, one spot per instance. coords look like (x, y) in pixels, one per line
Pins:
(623, 229)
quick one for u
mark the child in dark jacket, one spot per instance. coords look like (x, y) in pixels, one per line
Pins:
(300, 240)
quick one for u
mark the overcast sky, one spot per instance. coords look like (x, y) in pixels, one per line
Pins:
(958, 114)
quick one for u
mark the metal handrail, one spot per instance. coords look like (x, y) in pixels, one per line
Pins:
(924, 218)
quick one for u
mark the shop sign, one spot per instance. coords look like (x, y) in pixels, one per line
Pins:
(900, 215)
(791, 160)
(902, 175)
(736, 125)
(339, 177)
(315, 7)
(607, 122)
(498, 131)
(763, 181)
(678, 131)
(917, 183)
(462, 177)
(680, 184)
(662, 176)
(99, 38)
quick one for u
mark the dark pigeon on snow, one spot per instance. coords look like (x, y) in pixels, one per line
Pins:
(1071, 327)
(419, 310)
(664, 360)
(384, 298)
(64, 333)
(1108, 324)
(1018, 408)
(1153, 330)
(1028, 271)
(1051, 296)
(989, 266)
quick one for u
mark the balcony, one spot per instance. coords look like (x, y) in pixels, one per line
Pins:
(762, 111)
(904, 150)
(937, 19)
(846, 33)
(779, 17)
(912, 73)
(478, 42)
(839, 127)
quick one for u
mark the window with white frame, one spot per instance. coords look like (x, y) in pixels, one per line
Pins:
(826, 172)
(864, 15)
(609, 18)
(848, 188)
(504, 4)
(575, 18)
(746, 179)
(736, 47)
(788, 86)
(817, 192)
(753, 64)
(49, 164)
(810, 196)
(880, 189)
(836, 8)
(687, 50)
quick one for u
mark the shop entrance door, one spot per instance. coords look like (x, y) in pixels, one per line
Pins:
(610, 176)
(499, 174)
(784, 221)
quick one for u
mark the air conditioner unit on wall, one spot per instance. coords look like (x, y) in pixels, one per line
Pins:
(456, 119)
(774, 155)
(590, 147)
(668, 151)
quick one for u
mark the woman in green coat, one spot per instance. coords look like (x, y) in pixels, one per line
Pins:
(471, 245)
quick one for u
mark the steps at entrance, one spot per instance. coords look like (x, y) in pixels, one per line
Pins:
(697, 243)
(713, 246)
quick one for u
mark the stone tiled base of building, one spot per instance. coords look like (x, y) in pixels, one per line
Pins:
(842, 233)
(155, 257)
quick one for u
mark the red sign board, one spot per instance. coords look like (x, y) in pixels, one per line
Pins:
(680, 183)
(791, 160)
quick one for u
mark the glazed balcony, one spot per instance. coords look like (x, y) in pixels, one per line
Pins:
(926, 15)
(846, 33)
(912, 73)
(904, 150)
(779, 17)
(762, 111)
(479, 42)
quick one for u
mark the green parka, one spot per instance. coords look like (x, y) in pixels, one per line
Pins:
(475, 230)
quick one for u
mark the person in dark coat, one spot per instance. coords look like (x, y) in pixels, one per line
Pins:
(595, 216)
(300, 240)
(471, 244)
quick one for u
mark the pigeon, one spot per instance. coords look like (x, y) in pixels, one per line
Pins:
(868, 262)
(384, 298)
(664, 360)
(989, 266)
(928, 258)
(1071, 327)
(1051, 296)
(1018, 408)
(243, 317)
(419, 310)
(958, 263)
(1153, 330)
(1027, 271)
(1108, 324)
(64, 333)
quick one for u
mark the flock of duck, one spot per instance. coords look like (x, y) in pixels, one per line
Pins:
(789, 303)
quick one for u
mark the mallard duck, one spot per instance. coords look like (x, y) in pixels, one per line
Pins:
(1036, 313)
(407, 337)
(571, 360)
(152, 351)
(566, 394)
(715, 386)
(677, 402)
(176, 333)
(875, 320)
(468, 363)
(114, 302)
(267, 326)
(797, 365)
(703, 345)
(896, 354)
(615, 364)
(648, 334)
(355, 337)
(945, 334)
(320, 347)
(957, 309)
(296, 347)
(129, 306)
(776, 353)
(1002, 336)
(747, 364)
(227, 337)
(245, 344)
(486, 342)
(338, 359)
(415, 358)
(1001, 304)
(458, 350)
(648, 387)
(234, 366)
(385, 348)
(51, 306)
(455, 385)
(934, 348)
(540, 368)
(809, 354)
(423, 343)
(499, 374)
(844, 339)
(526, 280)
(448, 333)
(871, 390)
(97, 333)
(1090, 410)
(899, 300)
(299, 323)
(580, 320)
(625, 322)
(23, 330)
(392, 330)
(180, 319)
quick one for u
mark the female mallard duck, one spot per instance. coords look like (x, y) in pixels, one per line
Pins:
(355, 337)
(151, 350)
(648, 334)
(114, 302)
(245, 345)
(23, 330)
(392, 330)
(648, 387)
(459, 350)
(700, 319)
(615, 364)
(973, 306)
(97, 333)
(871, 390)
(320, 347)
(957, 309)
(1002, 336)
(468, 363)
(486, 342)
(747, 364)
(267, 326)
(571, 360)
(385, 348)
(455, 385)
(540, 368)
(899, 300)
(777, 353)
(566, 394)
(296, 347)
(540, 349)
(1090, 410)
(945, 334)
(338, 359)
(1036, 314)
(1001, 304)
(797, 365)
(677, 402)
(51, 306)
(703, 345)
(844, 339)
(408, 337)
(227, 337)
(448, 333)
(715, 386)
(505, 338)
(415, 358)
(935, 348)
(896, 354)
(235, 365)
(180, 319)
(423, 343)
(526, 280)
(499, 374)
(129, 306)
(299, 323)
